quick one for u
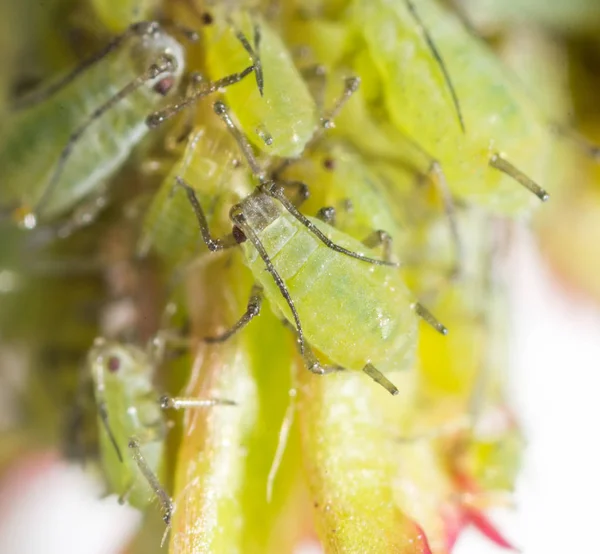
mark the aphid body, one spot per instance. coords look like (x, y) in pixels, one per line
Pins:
(355, 313)
(61, 149)
(448, 93)
(122, 377)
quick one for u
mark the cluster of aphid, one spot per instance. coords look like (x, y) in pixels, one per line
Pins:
(407, 141)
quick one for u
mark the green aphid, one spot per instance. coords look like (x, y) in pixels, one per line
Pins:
(132, 424)
(64, 142)
(358, 314)
(446, 91)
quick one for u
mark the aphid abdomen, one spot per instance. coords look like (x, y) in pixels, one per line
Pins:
(353, 312)
(497, 117)
(109, 143)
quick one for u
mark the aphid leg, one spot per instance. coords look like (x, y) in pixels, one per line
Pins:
(299, 191)
(124, 497)
(380, 379)
(213, 244)
(161, 494)
(311, 361)
(252, 311)
(276, 191)
(166, 63)
(101, 403)
(499, 163)
(254, 56)
(315, 366)
(195, 80)
(207, 88)
(380, 238)
(428, 317)
(85, 214)
(587, 147)
(351, 85)
(318, 75)
(239, 219)
(244, 145)
(439, 180)
(141, 28)
(438, 58)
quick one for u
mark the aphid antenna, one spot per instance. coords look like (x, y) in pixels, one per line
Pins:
(351, 85)
(439, 60)
(501, 164)
(103, 414)
(136, 29)
(429, 318)
(146, 471)
(165, 63)
(240, 221)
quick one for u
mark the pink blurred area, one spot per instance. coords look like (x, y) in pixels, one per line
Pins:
(48, 506)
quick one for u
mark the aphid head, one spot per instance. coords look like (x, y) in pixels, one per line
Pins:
(110, 360)
(162, 56)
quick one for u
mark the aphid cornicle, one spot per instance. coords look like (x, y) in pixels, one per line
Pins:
(95, 115)
(132, 424)
(446, 91)
(359, 314)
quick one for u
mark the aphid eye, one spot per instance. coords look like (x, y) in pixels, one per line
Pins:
(164, 86)
(207, 18)
(238, 235)
(329, 164)
(113, 364)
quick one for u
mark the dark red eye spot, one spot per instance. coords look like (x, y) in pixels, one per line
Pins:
(238, 235)
(113, 364)
(164, 86)
(329, 164)
(207, 19)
